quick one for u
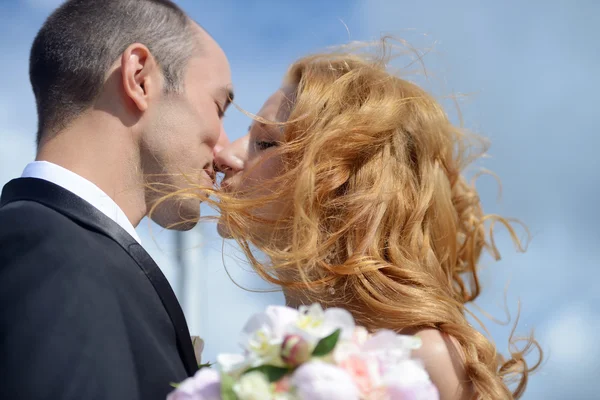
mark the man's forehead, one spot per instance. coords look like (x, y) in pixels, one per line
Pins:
(209, 63)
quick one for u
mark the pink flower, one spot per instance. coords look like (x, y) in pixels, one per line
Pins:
(283, 385)
(317, 380)
(358, 368)
(381, 366)
(205, 385)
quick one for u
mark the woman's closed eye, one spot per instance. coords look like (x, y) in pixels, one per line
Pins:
(265, 144)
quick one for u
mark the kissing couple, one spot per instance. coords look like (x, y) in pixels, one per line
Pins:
(350, 181)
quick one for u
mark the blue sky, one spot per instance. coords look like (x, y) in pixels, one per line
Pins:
(527, 67)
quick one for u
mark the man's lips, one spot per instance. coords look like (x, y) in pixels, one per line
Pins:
(210, 172)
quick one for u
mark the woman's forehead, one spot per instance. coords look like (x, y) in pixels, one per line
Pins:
(278, 106)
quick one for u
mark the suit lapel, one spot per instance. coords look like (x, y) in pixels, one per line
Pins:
(164, 290)
(69, 204)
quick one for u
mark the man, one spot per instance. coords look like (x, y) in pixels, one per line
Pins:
(130, 97)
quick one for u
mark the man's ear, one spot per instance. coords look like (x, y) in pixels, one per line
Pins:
(141, 75)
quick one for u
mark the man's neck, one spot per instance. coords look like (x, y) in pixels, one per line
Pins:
(104, 153)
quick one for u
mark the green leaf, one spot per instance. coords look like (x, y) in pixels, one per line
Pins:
(175, 385)
(227, 392)
(272, 372)
(206, 365)
(327, 344)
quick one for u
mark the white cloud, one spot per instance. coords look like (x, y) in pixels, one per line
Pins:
(572, 351)
(571, 337)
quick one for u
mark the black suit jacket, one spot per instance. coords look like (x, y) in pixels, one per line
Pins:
(86, 313)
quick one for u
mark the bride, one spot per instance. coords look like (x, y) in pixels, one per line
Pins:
(350, 182)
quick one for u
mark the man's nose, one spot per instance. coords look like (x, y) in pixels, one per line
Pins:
(221, 143)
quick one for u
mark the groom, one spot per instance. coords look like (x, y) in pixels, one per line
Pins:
(130, 97)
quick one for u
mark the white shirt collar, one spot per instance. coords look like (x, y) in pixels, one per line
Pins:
(83, 188)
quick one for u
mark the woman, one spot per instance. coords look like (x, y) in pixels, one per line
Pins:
(349, 181)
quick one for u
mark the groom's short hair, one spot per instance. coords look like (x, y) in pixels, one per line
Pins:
(79, 42)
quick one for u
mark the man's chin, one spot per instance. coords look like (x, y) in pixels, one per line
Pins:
(175, 225)
(183, 226)
(181, 217)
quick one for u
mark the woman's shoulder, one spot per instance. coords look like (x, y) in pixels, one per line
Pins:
(444, 361)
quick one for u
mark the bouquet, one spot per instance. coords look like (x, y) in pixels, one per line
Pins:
(314, 354)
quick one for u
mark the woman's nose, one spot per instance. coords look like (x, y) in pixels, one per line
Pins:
(232, 157)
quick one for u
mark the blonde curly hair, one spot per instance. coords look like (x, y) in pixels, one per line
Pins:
(377, 215)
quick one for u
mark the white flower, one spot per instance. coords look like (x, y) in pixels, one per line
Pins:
(317, 380)
(314, 323)
(347, 348)
(386, 346)
(409, 380)
(263, 334)
(253, 386)
(232, 363)
(284, 396)
(205, 385)
(360, 335)
(406, 374)
(390, 348)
